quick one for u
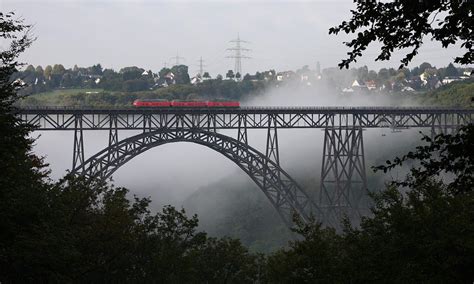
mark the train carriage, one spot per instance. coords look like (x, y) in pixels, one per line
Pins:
(156, 103)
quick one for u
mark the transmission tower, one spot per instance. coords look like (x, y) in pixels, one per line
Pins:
(238, 55)
(177, 58)
(201, 66)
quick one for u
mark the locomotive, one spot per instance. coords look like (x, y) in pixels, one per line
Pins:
(185, 104)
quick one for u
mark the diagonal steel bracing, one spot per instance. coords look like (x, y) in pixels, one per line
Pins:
(343, 179)
(343, 185)
(78, 150)
(282, 191)
(242, 129)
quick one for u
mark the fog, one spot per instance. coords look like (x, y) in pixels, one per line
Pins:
(171, 173)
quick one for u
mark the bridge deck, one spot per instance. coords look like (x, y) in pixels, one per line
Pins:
(61, 118)
(246, 110)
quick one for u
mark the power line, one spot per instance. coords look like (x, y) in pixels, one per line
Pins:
(238, 55)
(177, 58)
(201, 66)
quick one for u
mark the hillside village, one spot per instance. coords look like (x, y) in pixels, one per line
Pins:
(134, 79)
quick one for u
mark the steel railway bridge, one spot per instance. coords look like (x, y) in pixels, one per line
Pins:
(343, 182)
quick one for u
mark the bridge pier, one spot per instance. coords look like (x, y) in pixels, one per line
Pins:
(272, 152)
(78, 150)
(343, 184)
(113, 131)
(445, 124)
(242, 129)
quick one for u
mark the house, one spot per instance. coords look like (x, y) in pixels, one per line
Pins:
(407, 89)
(371, 85)
(447, 80)
(196, 80)
(19, 82)
(268, 75)
(358, 86)
(468, 73)
(169, 78)
(285, 75)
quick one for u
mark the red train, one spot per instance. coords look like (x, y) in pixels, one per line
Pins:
(191, 104)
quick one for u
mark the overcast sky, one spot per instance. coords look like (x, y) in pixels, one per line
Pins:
(282, 35)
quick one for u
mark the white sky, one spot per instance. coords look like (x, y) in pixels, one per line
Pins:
(283, 35)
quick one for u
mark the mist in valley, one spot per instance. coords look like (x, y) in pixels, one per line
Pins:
(206, 183)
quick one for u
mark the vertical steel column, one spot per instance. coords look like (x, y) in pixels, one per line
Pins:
(113, 135)
(78, 151)
(146, 123)
(272, 151)
(212, 125)
(242, 129)
(113, 131)
(435, 124)
(443, 124)
(343, 184)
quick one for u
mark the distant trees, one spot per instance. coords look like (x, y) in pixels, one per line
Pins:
(47, 72)
(451, 71)
(230, 74)
(181, 74)
(80, 230)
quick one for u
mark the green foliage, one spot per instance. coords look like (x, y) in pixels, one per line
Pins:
(230, 74)
(317, 259)
(80, 230)
(403, 24)
(421, 230)
(446, 154)
(456, 94)
(181, 74)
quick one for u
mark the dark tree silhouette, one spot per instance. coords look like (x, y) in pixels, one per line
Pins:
(404, 24)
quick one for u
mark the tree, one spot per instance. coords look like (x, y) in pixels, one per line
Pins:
(421, 229)
(30, 68)
(48, 70)
(238, 76)
(206, 75)
(95, 69)
(21, 186)
(403, 24)
(79, 230)
(424, 66)
(230, 74)
(451, 71)
(181, 74)
(362, 73)
(58, 69)
(163, 72)
(39, 71)
(131, 73)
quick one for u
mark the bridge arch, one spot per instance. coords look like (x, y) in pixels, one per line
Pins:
(282, 191)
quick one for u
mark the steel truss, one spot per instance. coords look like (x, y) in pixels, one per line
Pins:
(255, 118)
(78, 150)
(343, 185)
(282, 191)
